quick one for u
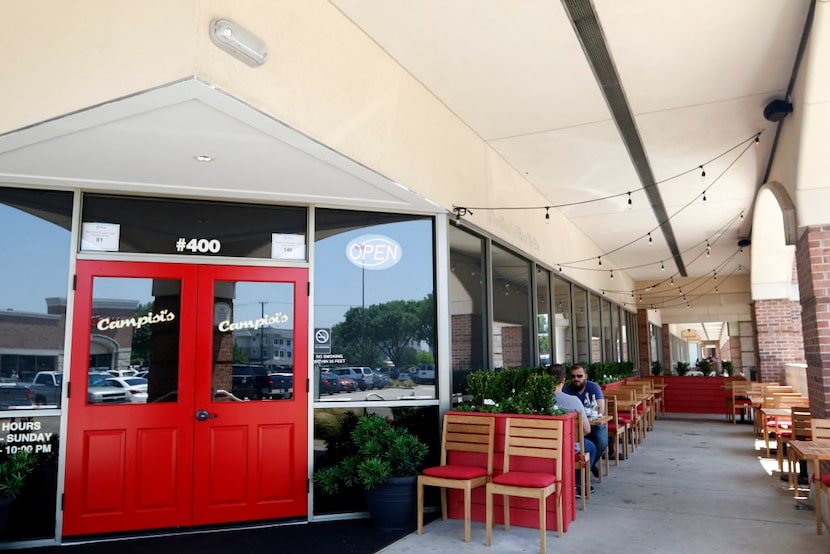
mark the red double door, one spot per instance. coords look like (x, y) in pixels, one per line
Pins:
(205, 445)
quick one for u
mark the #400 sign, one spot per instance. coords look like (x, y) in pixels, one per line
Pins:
(374, 252)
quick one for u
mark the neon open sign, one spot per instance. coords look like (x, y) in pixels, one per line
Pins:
(374, 252)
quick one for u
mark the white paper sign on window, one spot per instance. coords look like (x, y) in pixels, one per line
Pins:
(287, 247)
(100, 237)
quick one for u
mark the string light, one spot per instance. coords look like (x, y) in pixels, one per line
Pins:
(650, 242)
(599, 260)
(702, 172)
(547, 212)
(467, 210)
(662, 266)
(708, 249)
(612, 273)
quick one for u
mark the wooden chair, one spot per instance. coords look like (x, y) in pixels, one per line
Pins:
(801, 429)
(820, 429)
(627, 416)
(738, 401)
(461, 434)
(530, 438)
(582, 460)
(617, 430)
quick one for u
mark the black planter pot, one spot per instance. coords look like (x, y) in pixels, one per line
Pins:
(392, 505)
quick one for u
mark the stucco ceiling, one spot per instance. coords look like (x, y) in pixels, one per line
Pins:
(589, 100)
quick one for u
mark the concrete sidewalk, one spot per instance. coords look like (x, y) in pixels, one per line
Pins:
(696, 485)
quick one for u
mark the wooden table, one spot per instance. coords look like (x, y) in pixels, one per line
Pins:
(815, 450)
(601, 420)
(772, 414)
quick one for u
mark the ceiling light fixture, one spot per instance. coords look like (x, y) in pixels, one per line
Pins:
(203, 158)
(238, 42)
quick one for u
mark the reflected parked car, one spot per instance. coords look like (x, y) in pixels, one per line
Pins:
(381, 379)
(137, 387)
(329, 383)
(347, 384)
(351, 373)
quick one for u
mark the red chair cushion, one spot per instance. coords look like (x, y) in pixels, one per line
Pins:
(826, 479)
(451, 471)
(525, 479)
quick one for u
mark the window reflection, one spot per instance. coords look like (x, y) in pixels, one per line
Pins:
(374, 306)
(543, 326)
(511, 310)
(580, 301)
(33, 288)
(467, 306)
(562, 332)
(134, 340)
(253, 341)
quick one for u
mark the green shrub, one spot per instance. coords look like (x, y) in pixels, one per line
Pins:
(682, 368)
(511, 391)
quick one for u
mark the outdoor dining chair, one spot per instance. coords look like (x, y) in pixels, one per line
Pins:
(530, 438)
(463, 441)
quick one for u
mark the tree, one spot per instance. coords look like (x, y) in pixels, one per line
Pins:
(384, 331)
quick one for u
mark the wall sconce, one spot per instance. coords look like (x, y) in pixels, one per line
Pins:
(238, 42)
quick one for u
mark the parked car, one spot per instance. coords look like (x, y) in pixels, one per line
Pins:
(351, 373)
(368, 376)
(250, 381)
(281, 385)
(329, 383)
(123, 372)
(137, 387)
(347, 384)
(425, 374)
(382, 379)
(46, 389)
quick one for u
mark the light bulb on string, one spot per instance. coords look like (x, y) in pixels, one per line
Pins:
(599, 260)
(704, 196)
(702, 172)
(612, 273)
(708, 250)
(716, 275)
(662, 266)
(757, 139)
(671, 280)
(650, 241)
(629, 200)
(547, 212)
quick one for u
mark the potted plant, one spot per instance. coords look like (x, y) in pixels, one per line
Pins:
(13, 473)
(728, 367)
(385, 463)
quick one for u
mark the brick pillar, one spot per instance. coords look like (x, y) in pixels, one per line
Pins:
(813, 262)
(665, 343)
(778, 337)
(643, 344)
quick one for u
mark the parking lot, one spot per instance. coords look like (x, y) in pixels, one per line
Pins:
(388, 393)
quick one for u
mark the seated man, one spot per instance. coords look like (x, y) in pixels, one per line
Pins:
(570, 403)
(583, 390)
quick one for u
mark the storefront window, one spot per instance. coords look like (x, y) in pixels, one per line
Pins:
(374, 303)
(562, 331)
(607, 334)
(511, 310)
(35, 248)
(580, 300)
(594, 321)
(467, 307)
(193, 228)
(543, 316)
(35, 245)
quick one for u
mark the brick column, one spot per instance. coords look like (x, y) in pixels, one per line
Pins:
(778, 337)
(643, 344)
(813, 262)
(665, 344)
